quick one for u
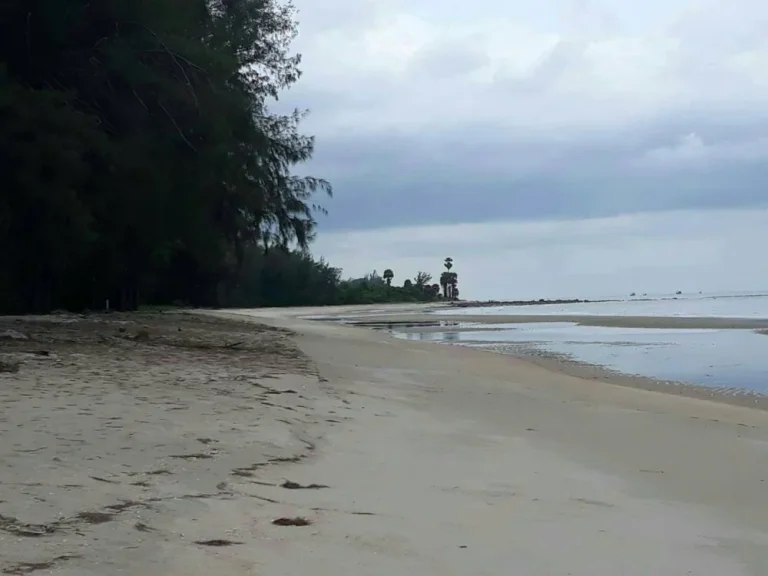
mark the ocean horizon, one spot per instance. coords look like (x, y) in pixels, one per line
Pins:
(744, 304)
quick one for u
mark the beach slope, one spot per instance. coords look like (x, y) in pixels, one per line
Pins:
(449, 460)
(258, 443)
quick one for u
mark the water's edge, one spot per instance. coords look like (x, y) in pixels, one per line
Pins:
(532, 352)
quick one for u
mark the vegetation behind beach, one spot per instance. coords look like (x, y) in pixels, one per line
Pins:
(142, 160)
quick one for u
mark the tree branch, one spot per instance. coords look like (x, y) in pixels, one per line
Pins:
(175, 125)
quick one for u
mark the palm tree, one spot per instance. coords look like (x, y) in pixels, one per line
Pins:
(445, 282)
(448, 280)
(388, 275)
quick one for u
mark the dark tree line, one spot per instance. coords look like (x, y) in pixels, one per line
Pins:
(374, 288)
(294, 278)
(139, 160)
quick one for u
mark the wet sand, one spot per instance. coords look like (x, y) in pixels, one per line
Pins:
(172, 453)
(563, 364)
(582, 320)
(415, 320)
(472, 462)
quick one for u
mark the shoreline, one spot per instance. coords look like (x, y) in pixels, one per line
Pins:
(255, 441)
(539, 302)
(563, 364)
(566, 365)
(653, 322)
(487, 461)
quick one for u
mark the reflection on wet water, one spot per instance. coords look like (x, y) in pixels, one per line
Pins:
(391, 326)
(447, 336)
(723, 359)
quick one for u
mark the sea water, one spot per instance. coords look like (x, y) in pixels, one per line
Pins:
(728, 360)
(674, 306)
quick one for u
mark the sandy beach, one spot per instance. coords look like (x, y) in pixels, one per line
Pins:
(185, 444)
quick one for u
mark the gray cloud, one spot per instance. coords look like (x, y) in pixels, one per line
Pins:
(427, 114)
(709, 250)
(448, 59)
(467, 177)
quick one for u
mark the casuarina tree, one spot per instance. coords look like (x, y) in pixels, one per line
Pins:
(139, 156)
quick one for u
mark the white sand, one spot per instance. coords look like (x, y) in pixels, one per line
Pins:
(438, 460)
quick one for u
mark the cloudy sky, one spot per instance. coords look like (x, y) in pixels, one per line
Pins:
(556, 148)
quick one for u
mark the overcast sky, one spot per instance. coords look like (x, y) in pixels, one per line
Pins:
(563, 147)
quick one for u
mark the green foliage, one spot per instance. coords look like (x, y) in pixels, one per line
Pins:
(285, 278)
(140, 161)
(449, 281)
(374, 289)
(293, 278)
(422, 278)
(138, 154)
